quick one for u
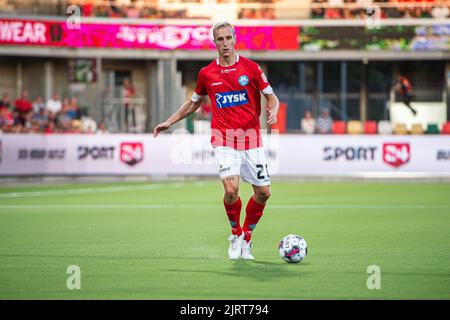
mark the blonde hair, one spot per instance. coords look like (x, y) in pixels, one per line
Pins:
(223, 24)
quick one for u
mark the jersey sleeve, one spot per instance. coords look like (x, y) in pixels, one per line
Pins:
(260, 80)
(200, 89)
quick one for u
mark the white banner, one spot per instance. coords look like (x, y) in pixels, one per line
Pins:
(184, 154)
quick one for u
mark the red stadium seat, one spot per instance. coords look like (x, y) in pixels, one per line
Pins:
(339, 127)
(446, 128)
(370, 127)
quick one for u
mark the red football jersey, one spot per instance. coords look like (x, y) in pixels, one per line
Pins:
(236, 102)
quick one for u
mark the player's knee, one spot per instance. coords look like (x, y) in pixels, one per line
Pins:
(263, 196)
(231, 196)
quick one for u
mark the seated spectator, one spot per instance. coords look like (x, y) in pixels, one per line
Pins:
(132, 12)
(54, 106)
(51, 128)
(73, 110)
(87, 9)
(28, 125)
(440, 11)
(4, 102)
(75, 127)
(63, 117)
(6, 119)
(267, 13)
(102, 11)
(38, 104)
(88, 124)
(101, 128)
(324, 123)
(23, 106)
(41, 118)
(308, 124)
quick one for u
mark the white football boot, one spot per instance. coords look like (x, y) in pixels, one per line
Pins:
(247, 248)
(234, 251)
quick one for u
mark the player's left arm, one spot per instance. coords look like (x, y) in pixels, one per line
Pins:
(263, 85)
(273, 104)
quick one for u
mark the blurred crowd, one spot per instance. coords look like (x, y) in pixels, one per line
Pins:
(265, 9)
(150, 10)
(52, 116)
(242, 9)
(354, 9)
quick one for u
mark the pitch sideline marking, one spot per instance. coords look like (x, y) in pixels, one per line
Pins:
(27, 194)
(215, 206)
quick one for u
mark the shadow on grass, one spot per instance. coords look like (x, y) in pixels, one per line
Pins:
(255, 270)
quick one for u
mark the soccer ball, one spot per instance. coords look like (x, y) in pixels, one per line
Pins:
(292, 248)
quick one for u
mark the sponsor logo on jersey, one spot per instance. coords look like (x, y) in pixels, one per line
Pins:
(231, 99)
(243, 80)
(396, 154)
(216, 83)
(227, 70)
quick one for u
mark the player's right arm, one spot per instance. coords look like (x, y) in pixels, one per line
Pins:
(186, 109)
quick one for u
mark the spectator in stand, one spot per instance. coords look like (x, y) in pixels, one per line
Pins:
(128, 95)
(51, 128)
(5, 102)
(308, 124)
(38, 104)
(41, 118)
(23, 107)
(441, 11)
(324, 123)
(391, 10)
(101, 128)
(115, 11)
(334, 11)
(87, 9)
(6, 119)
(88, 124)
(63, 117)
(75, 127)
(54, 106)
(267, 13)
(103, 11)
(73, 110)
(132, 12)
(318, 12)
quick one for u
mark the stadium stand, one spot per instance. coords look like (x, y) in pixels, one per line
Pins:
(446, 128)
(384, 127)
(355, 127)
(417, 128)
(236, 9)
(432, 128)
(370, 127)
(400, 128)
(339, 127)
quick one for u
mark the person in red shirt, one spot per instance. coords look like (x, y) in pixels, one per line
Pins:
(234, 85)
(23, 106)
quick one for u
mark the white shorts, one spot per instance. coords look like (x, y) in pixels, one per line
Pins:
(250, 164)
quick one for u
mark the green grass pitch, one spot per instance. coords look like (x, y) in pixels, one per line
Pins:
(168, 240)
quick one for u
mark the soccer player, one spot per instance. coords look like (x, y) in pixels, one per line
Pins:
(233, 83)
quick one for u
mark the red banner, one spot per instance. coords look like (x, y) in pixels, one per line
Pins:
(142, 36)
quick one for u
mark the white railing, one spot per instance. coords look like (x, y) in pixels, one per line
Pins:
(122, 115)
